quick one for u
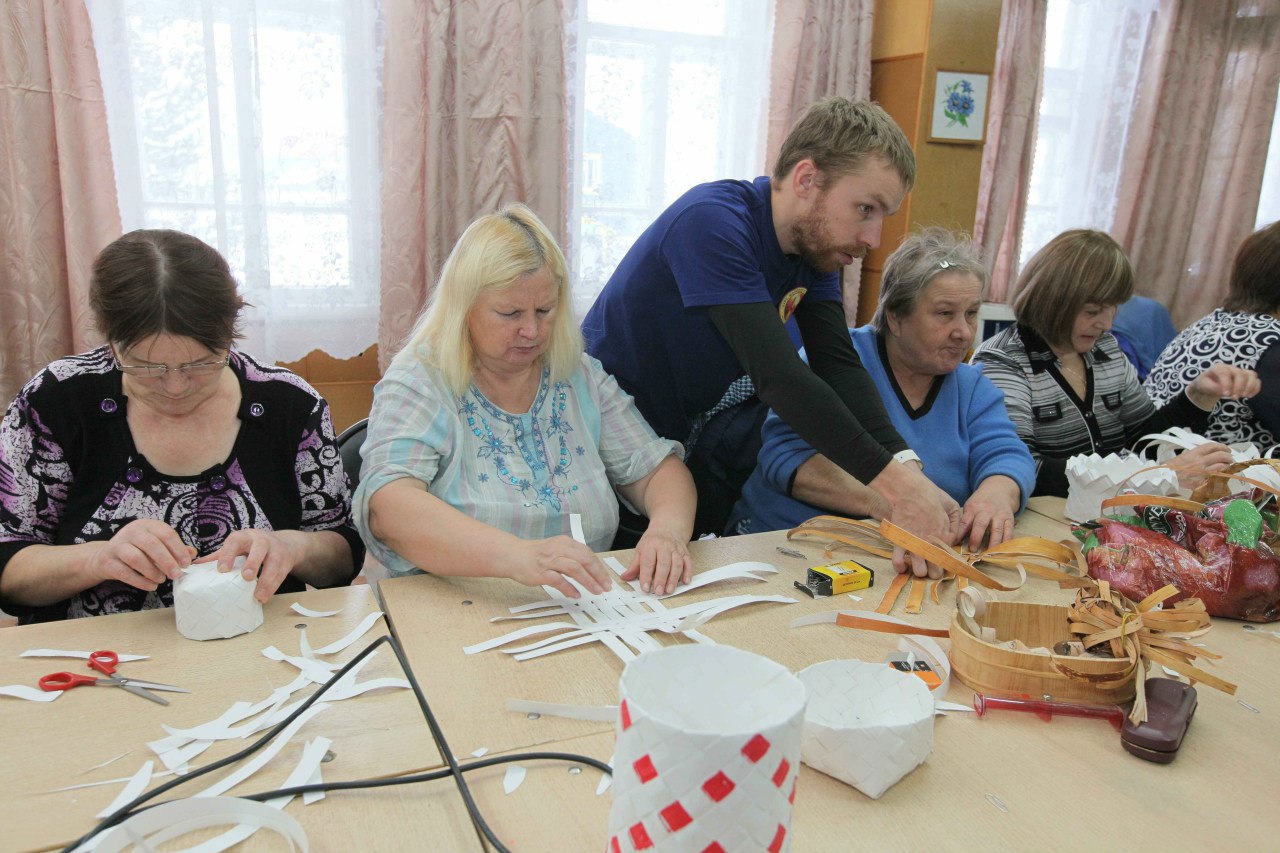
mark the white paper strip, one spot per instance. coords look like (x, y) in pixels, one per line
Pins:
(357, 633)
(479, 753)
(31, 694)
(314, 614)
(121, 780)
(606, 779)
(317, 670)
(63, 653)
(515, 775)
(575, 527)
(173, 819)
(596, 713)
(137, 784)
(105, 763)
(264, 755)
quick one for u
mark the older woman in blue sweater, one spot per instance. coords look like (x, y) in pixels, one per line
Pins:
(914, 349)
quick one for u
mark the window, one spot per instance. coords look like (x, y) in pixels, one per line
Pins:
(669, 94)
(254, 127)
(1269, 202)
(1092, 55)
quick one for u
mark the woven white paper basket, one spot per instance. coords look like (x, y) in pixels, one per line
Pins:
(866, 724)
(708, 752)
(212, 605)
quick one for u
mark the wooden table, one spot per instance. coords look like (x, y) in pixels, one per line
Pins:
(1066, 785)
(51, 745)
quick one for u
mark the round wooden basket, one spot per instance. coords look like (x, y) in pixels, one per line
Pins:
(1001, 672)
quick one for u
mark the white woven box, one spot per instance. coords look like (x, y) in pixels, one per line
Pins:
(866, 724)
(212, 605)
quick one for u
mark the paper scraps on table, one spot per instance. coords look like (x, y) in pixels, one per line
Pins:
(480, 752)
(622, 617)
(596, 713)
(151, 828)
(213, 605)
(137, 784)
(314, 614)
(64, 653)
(105, 763)
(514, 776)
(31, 694)
(606, 779)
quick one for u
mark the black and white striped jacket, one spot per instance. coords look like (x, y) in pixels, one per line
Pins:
(1054, 422)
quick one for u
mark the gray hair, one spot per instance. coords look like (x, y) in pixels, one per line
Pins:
(923, 255)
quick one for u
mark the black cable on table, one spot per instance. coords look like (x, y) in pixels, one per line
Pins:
(454, 769)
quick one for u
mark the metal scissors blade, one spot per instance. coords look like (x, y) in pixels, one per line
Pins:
(152, 685)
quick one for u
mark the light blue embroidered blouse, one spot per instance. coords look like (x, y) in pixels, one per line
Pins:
(522, 473)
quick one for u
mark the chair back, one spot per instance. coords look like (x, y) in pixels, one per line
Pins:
(349, 449)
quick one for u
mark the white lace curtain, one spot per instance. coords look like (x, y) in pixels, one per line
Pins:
(253, 125)
(1093, 55)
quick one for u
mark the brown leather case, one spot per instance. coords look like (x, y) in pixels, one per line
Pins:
(1170, 707)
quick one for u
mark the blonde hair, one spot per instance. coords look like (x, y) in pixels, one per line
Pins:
(497, 250)
(1073, 269)
(839, 135)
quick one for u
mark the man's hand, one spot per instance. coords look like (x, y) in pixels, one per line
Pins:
(917, 506)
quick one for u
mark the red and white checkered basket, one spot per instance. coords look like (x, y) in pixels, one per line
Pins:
(708, 752)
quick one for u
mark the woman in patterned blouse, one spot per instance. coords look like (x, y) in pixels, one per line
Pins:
(491, 427)
(121, 466)
(1067, 386)
(1245, 332)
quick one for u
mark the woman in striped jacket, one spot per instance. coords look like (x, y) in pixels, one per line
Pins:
(1068, 387)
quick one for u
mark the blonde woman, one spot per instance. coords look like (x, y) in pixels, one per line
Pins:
(491, 427)
(1068, 387)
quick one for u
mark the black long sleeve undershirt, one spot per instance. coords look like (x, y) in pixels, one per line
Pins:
(834, 406)
(1178, 412)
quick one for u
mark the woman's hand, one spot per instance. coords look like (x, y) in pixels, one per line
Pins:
(988, 514)
(1206, 457)
(1222, 381)
(661, 562)
(536, 562)
(269, 556)
(143, 554)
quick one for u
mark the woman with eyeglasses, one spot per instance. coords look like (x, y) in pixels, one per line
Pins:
(122, 466)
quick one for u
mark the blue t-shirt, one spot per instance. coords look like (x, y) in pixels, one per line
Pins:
(962, 432)
(715, 245)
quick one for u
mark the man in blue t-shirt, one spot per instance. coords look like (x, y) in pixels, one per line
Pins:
(692, 321)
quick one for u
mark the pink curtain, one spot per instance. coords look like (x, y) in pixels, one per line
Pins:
(475, 117)
(820, 48)
(57, 186)
(1011, 140)
(1197, 146)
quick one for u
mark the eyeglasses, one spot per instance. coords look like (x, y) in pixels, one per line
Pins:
(157, 371)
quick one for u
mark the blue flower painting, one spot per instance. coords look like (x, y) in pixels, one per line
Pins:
(958, 103)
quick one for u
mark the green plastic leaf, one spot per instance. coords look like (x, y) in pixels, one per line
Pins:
(1244, 523)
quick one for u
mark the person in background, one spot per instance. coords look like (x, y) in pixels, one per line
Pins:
(491, 427)
(1143, 328)
(121, 466)
(1244, 332)
(1068, 388)
(692, 321)
(914, 349)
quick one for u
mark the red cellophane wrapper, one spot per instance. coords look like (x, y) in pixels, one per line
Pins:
(1192, 553)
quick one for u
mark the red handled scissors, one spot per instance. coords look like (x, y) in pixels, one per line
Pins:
(105, 662)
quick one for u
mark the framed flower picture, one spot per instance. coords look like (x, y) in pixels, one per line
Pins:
(959, 107)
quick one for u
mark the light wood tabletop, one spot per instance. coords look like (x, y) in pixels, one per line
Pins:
(56, 744)
(1006, 781)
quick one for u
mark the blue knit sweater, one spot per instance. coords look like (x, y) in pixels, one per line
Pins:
(962, 433)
